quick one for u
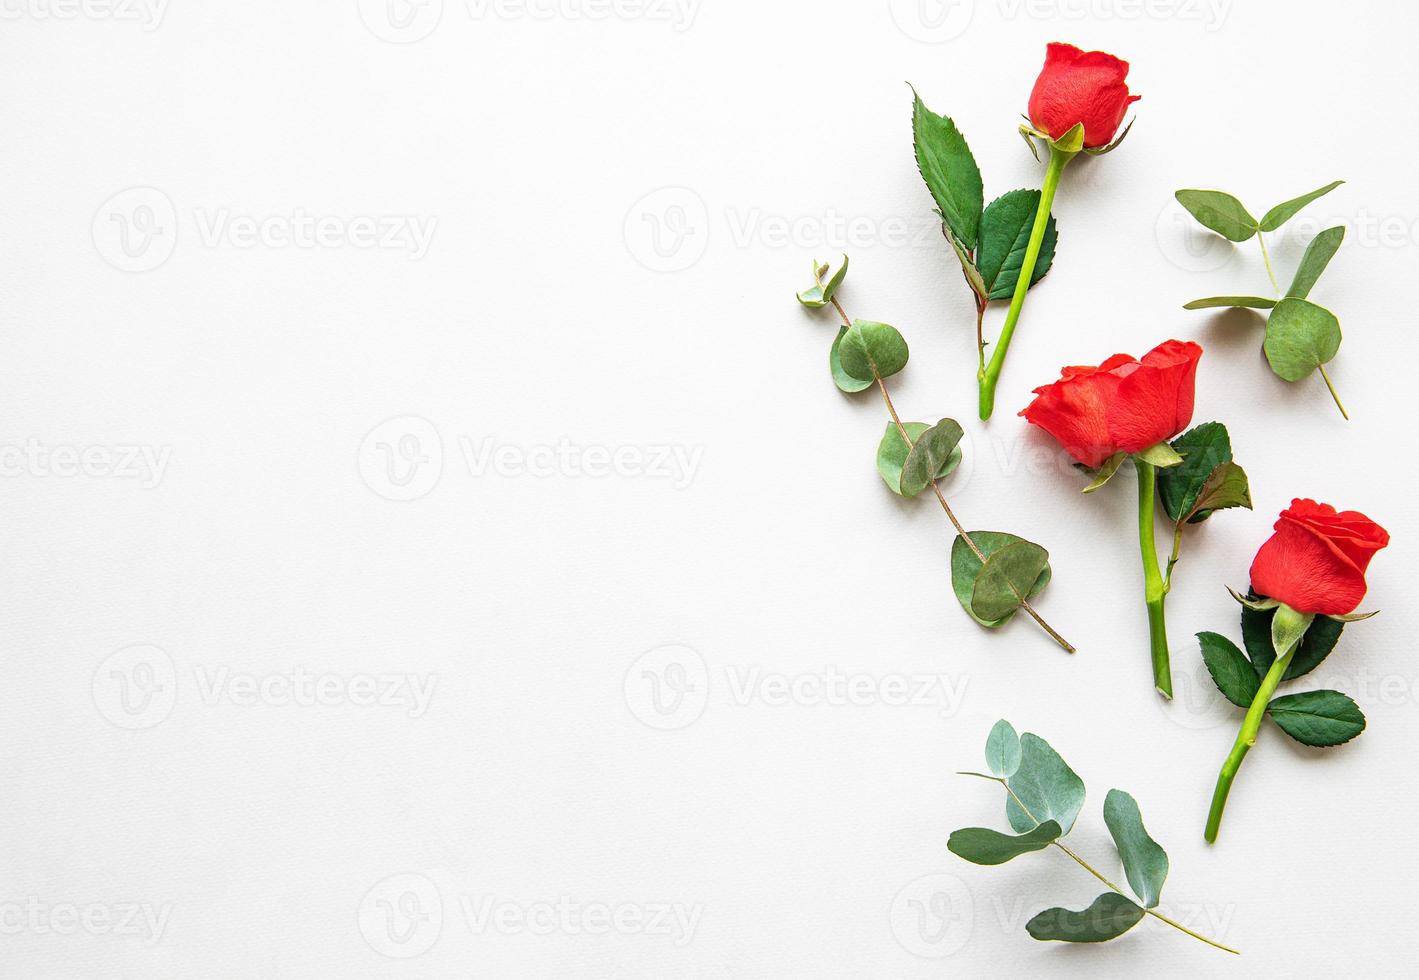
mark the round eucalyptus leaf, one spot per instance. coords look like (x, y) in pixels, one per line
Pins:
(1006, 577)
(1300, 337)
(870, 350)
(966, 568)
(841, 378)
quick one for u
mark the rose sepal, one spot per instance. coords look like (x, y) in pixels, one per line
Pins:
(1098, 151)
(1259, 605)
(1354, 617)
(1161, 455)
(1288, 628)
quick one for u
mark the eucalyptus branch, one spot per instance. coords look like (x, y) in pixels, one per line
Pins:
(1046, 801)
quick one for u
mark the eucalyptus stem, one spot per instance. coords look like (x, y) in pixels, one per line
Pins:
(1266, 257)
(1153, 586)
(941, 498)
(1095, 872)
(1344, 414)
(990, 374)
(1246, 738)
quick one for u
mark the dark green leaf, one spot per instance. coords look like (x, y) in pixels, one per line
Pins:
(870, 350)
(1231, 671)
(1300, 336)
(1046, 785)
(1284, 211)
(1006, 577)
(841, 378)
(1109, 917)
(1002, 749)
(950, 171)
(892, 455)
(1226, 486)
(1144, 860)
(1321, 718)
(934, 453)
(1318, 255)
(1203, 448)
(1250, 302)
(981, 845)
(1004, 235)
(965, 567)
(1319, 641)
(1221, 212)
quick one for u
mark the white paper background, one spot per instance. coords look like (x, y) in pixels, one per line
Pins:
(569, 314)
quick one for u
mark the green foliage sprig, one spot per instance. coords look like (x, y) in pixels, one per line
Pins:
(1301, 336)
(993, 574)
(1043, 799)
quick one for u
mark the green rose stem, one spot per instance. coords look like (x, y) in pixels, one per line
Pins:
(990, 374)
(980, 555)
(1090, 868)
(1154, 588)
(1251, 725)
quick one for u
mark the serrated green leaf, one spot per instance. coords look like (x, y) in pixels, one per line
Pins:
(1249, 302)
(1106, 472)
(1007, 575)
(965, 567)
(934, 453)
(1317, 644)
(1226, 487)
(1286, 210)
(981, 845)
(1203, 448)
(1300, 337)
(1004, 235)
(1320, 718)
(841, 378)
(1002, 749)
(870, 350)
(1231, 671)
(950, 171)
(1318, 255)
(1144, 860)
(1220, 212)
(1046, 785)
(1110, 916)
(1162, 456)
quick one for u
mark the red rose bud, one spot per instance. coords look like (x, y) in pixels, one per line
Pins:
(1075, 86)
(1123, 405)
(1316, 560)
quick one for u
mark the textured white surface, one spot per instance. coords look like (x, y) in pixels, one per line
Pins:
(535, 807)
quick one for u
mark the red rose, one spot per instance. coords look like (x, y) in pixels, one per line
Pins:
(1086, 87)
(1123, 405)
(1316, 560)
